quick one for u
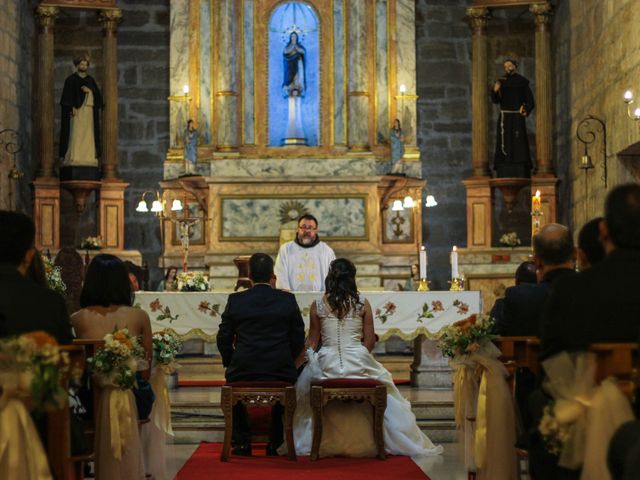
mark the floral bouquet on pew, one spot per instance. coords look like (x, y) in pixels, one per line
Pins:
(166, 347)
(191, 282)
(32, 365)
(54, 276)
(466, 336)
(116, 363)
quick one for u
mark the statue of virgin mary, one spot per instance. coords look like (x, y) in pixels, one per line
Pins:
(294, 74)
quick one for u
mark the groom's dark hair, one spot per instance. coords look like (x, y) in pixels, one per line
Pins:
(18, 236)
(260, 268)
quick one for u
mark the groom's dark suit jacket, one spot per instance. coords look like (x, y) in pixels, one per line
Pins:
(261, 335)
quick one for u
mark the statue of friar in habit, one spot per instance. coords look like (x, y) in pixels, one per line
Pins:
(81, 103)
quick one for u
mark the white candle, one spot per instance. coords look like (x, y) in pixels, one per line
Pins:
(423, 262)
(454, 262)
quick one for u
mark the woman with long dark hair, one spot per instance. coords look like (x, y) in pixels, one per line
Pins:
(342, 321)
(106, 301)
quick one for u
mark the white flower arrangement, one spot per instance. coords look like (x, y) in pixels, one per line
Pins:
(554, 435)
(510, 239)
(116, 363)
(165, 348)
(191, 282)
(91, 243)
(54, 276)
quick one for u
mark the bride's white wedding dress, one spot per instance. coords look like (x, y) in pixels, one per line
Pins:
(347, 426)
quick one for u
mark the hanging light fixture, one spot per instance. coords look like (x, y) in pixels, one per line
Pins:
(431, 201)
(397, 206)
(408, 202)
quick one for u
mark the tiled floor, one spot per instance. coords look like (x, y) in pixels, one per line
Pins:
(448, 466)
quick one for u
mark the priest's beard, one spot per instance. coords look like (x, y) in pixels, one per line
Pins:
(307, 242)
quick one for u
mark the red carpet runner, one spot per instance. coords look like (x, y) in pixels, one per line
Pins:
(205, 464)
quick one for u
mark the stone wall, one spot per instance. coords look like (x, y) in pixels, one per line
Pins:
(143, 88)
(16, 64)
(443, 71)
(597, 57)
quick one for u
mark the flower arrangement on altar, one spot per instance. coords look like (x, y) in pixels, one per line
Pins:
(116, 363)
(91, 243)
(54, 276)
(191, 282)
(165, 348)
(466, 335)
(509, 239)
(35, 364)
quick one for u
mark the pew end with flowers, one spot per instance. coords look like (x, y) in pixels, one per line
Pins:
(483, 405)
(32, 370)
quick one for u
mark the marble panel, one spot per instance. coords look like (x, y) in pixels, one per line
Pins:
(358, 120)
(398, 226)
(382, 73)
(357, 46)
(308, 167)
(406, 65)
(260, 217)
(179, 67)
(204, 109)
(174, 170)
(248, 82)
(226, 106)
(339, 128)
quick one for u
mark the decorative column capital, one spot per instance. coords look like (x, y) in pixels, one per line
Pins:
(542, 13)
(110, 19)
(478, 19)
(46, 15)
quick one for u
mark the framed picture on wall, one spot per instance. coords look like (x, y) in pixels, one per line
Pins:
(398, 226)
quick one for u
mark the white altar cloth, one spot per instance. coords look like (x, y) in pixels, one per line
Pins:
(405, 314)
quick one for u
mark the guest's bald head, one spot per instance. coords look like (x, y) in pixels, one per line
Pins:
(553, 245)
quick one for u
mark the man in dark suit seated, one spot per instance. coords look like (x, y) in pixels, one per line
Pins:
(525, 273)
(598, 305)
(554, 257)
(260, 336)
(24, 305)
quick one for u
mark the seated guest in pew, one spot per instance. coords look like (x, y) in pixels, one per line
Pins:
(554, 257)
(525, 274)
(26, 306)
(599, 305)
(342, 323)
(623, 458)
(590, 249)
(260, 336)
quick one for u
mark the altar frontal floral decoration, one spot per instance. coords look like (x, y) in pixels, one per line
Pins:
(54, 276)
(191, 282)
(166, 347)
(466, 336)
(91, 243)
(33, 364)
(116, 363)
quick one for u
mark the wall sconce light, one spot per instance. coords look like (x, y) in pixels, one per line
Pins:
(431, 201)
(397, 206)
(408, 202)
(628, 99)
(400, 205)
(157, 206)
(587, 132)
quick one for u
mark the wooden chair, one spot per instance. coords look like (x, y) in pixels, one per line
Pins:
(65, 466)
(347, 389)
(258, 394)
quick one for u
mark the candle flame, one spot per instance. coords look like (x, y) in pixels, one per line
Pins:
(455, 249)
(538, 193)
(422, 247)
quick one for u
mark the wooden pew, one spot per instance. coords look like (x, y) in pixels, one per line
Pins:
(63, 465)
(619, 360)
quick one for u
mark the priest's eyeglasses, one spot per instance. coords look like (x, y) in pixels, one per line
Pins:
(307, 227)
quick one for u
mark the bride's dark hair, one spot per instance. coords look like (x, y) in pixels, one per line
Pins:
(340, 287)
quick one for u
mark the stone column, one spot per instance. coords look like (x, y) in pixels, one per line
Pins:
(478, 18)
(358, 113)
(46, 16)
(226, 94)
(110, 19)
(406, 103)
(544, 114)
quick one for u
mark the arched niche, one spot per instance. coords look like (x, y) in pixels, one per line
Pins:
(302, 18)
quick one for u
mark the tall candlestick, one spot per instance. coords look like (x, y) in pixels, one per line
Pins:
(454, 262)
(423, 262)
(536, 213)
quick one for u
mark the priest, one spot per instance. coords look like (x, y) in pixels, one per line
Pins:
(303, 263)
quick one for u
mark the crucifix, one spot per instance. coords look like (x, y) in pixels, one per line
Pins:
(186, 231)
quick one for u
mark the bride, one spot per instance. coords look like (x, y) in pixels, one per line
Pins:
(341, 321)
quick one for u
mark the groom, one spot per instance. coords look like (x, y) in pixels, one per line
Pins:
(260, 336)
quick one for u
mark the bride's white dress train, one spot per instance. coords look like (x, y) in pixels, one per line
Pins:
(347, 427)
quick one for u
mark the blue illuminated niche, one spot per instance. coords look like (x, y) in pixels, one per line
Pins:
(286, 18)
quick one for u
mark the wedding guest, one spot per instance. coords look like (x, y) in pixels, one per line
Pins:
(525, 273)
(37, 271)
(590, 249)
(166, 284)
(106, 302)
(554, 257)
(135, 275)
(24, 305)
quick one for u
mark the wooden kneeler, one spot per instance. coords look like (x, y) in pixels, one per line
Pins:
(347, 389)
(258, 394)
